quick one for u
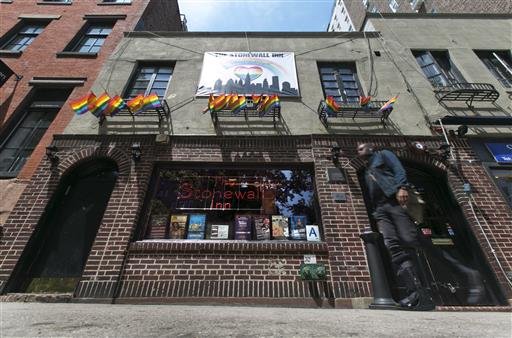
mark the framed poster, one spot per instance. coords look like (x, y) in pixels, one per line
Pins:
(244, 73)
(279, 227)
(242, 227)
(219, 231)
(196, 226)
(298, 227)
(178, 226)
(262, 227)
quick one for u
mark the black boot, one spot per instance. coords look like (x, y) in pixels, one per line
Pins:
(419, 298)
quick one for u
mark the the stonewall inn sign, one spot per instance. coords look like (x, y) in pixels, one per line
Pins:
(247, 73)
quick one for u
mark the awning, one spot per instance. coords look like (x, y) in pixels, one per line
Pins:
(476, 120)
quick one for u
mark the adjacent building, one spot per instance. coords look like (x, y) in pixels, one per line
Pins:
(348, 15)
(244, 167)
(56, 49)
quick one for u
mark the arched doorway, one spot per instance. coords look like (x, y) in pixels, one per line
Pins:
(450, 249)
(55, 256)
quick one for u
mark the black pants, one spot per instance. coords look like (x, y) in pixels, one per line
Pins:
(399, 232)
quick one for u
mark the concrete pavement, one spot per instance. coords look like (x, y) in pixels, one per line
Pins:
(100, 320)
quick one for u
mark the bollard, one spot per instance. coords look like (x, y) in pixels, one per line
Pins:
(382, 298)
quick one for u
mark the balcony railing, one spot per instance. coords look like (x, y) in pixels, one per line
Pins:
(353, 111)
(162, 113)
(467, 92)
(250, 111)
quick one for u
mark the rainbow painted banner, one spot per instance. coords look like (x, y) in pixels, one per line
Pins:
(267, 103)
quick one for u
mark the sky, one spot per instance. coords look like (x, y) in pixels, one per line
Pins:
(257, 15)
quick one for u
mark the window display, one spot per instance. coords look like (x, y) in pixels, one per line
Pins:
(228, 203)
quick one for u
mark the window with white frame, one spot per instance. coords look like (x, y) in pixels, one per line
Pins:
(393, 5)
(438, 68)
(149, 79)
(499, 64)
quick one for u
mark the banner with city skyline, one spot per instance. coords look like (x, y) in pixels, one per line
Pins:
(246, 73)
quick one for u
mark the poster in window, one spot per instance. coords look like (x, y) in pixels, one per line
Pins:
(298, 227)
(243, 227)
(262, 227)
(279, 227)
(196, 226)
(158, 226)
(246, 73)
(219, 231)
(178, 226)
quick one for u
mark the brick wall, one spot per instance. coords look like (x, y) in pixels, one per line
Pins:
(254, 271)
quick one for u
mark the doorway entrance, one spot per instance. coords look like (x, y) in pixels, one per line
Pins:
(55, 256)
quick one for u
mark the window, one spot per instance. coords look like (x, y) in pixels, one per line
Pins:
(499, 64)
(23, 37)
(340, 81)
(150, 79)
(438, 68)
(393, 5)
(230, 203)
(117, 1)
(59, 1)
(22, 138)
(93, 37)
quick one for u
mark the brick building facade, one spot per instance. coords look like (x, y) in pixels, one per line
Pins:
(349, 15)
(132, 259)
(50, 62)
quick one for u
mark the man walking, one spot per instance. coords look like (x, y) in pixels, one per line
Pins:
(387, 186)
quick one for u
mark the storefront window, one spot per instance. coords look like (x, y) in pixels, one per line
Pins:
(227, 203)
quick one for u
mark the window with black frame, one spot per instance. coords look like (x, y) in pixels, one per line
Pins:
(438, 68)
(28, 127)
(150, 79)
(92, 37)
(340, 81)
(23, 37)
(232, 204)
(499, 64)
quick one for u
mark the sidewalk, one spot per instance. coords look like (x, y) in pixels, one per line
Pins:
(100, 320)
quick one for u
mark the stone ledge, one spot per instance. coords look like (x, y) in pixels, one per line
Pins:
(37, 297)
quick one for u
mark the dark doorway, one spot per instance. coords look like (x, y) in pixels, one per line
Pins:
(450, 249)
(55, 256)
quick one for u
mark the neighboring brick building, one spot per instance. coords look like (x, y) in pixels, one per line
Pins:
(44, 42)
(348, 15)
(175, 189)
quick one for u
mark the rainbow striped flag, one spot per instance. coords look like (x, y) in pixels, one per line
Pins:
(388, 106)
(332, 104)
(211, 100)
(81, 106)
(220, 102)
(273, 101)
(364, 100)
(114, 106)
(152, 102)
(256, 99)
(231, 101)
(136, 104)
(240, 104)
(99, 105)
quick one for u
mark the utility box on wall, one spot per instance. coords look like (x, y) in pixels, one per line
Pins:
(312, 272)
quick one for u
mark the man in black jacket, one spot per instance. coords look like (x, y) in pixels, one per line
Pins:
(387, 186)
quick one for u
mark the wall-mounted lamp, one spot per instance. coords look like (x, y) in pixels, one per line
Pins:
(136, 151)
(443, 151)
(462, 130)
(335, 154)
(51, 153)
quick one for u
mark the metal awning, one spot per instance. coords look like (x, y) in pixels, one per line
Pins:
(476, 120)
(467, 92)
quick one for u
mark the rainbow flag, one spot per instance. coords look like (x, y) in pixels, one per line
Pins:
(240, 104)
(388, 106)
(231, 101)
(211, 100)
(256, 99)
(332, 104)
(136, 104)
(152, 102)
(99, 105)
(114, 106)
(364, 100)
(81, 106)
(220, 102)
(273, 101)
